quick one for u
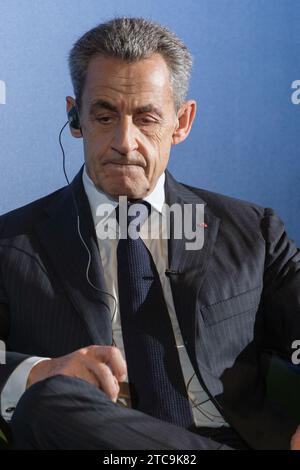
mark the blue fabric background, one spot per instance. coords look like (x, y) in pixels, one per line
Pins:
(245, 141)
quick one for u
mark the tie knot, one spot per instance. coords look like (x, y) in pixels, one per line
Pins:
(140, 209)
(133, 214)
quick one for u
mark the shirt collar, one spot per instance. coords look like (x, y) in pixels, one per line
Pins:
(96, 197)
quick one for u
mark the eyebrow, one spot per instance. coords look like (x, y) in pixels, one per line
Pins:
(140, 110)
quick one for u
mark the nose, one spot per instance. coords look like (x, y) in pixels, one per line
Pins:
(124, 141)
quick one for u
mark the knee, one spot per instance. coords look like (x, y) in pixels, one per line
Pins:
(41, 407)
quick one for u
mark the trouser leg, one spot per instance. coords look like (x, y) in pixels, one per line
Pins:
(67, 413)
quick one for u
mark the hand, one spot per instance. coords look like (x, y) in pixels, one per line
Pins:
(295, 441)
(102, 366)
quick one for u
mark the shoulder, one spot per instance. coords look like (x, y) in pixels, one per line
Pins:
(20, 220)
(247, 219)
(222, 205)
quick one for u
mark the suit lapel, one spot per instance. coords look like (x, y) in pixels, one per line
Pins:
(60, 238)
(191, 265)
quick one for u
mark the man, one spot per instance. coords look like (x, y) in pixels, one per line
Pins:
(190, 363)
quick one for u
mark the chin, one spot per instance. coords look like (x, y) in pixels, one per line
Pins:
(129, 192)
(129, 189)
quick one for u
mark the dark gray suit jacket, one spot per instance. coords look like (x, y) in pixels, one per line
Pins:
(236, 298)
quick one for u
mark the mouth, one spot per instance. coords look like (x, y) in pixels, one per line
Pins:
(123, 166)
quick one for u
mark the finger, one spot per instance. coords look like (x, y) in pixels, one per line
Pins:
(112, 356)
(295, 441)
(86, 375)
(70, 365)
(106, 380)
(117, 387)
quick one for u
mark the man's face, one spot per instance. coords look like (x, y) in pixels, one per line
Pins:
(128, 120)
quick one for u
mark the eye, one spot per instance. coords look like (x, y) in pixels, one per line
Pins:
(104, 119)
(147, 121)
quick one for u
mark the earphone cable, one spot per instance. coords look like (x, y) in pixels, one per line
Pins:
(80, 234)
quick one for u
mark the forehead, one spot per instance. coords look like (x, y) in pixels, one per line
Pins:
(113, 77)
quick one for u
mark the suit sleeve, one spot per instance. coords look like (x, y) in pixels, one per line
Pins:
(9, 360)
(281, 296)
(16, 386)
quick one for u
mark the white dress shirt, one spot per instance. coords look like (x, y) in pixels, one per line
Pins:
(16, 386)
(204, 411)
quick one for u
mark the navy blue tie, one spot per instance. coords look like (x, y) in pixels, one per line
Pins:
(156, 381)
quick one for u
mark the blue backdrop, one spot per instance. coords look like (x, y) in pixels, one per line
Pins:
(246, 79)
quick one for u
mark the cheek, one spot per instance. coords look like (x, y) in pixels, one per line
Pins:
(159, 142)
(158, 136)
(95, 148)
(156, 149)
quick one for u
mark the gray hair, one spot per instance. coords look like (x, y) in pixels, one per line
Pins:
(132, 39)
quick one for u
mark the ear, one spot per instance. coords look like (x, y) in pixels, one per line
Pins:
(184, 121)
(70, 103)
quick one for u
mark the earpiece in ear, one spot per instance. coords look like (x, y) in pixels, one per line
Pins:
(73, 118)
